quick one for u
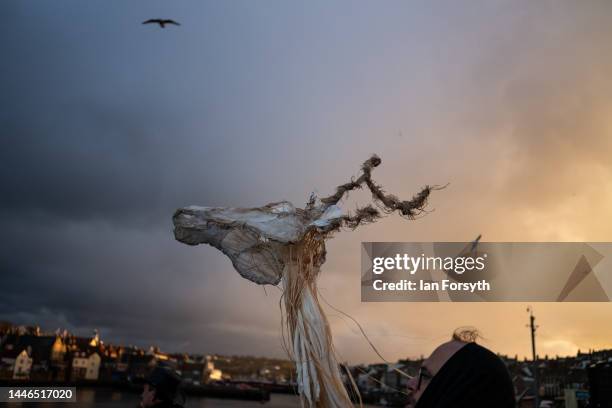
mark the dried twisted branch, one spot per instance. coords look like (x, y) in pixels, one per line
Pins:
(388, 203)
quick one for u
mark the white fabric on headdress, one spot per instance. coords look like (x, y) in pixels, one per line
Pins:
(278, 242)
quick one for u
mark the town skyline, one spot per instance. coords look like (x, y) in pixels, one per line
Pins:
(30, 356)
(95, 333)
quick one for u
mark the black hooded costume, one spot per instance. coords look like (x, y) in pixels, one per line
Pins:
(473, 377)
(166, 383)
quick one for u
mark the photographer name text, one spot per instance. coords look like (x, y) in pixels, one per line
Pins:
(429, 286)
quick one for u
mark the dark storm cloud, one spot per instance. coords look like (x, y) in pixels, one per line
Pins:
(88, 164)
(95, 158)
(135, 285)
(70, 147)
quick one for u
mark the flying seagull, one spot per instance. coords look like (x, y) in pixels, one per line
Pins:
(162, 22)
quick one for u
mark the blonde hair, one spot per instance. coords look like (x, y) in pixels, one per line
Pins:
(466, 334)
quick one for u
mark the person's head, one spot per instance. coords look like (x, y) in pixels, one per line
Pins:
(161, 388)
(460, 373)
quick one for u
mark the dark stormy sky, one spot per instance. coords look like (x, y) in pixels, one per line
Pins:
(107, 126)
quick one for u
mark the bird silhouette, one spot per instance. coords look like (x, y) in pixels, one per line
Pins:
(162, 22)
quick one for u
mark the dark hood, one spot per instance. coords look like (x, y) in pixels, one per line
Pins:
(473, 377)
